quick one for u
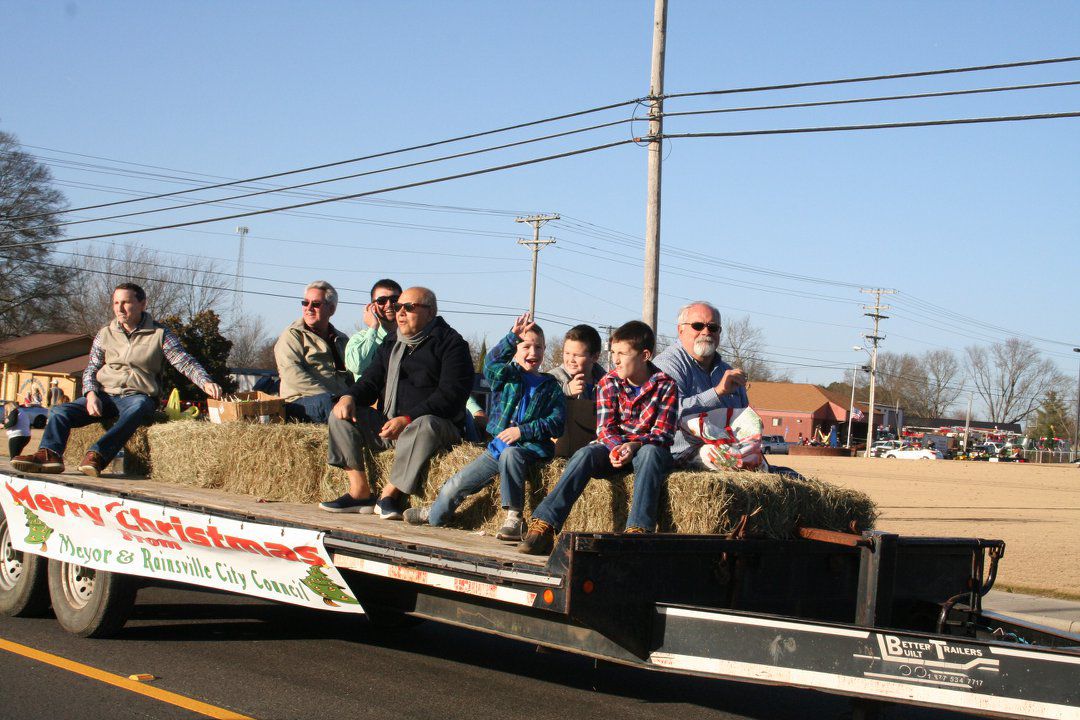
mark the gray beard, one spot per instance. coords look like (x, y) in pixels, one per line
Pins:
(705, 349)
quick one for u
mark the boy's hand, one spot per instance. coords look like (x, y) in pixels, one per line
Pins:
(623, 454)
(732, 380)
(345, 408)
(510, 435)
(522, 325)
(576, 386)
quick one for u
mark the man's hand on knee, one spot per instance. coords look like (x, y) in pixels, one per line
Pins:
(394, 427)
(93, 404)
(345, 408)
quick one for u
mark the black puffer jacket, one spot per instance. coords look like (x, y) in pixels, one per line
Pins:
(435, 378)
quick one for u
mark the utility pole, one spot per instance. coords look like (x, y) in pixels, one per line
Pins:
(967, 422)
(651, 287)
(238, 284)
(536, 243)
(875, 312)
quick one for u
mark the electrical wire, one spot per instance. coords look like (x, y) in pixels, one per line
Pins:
(876, 126)
(419, 183)
(338, 163)
(340, 178)
(870, 78)
(825, 103)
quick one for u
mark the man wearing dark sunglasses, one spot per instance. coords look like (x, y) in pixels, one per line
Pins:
(380, 321)
(705, 381)
(420, 378)
(310, 356)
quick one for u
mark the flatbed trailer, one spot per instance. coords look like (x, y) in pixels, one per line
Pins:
(876, 617)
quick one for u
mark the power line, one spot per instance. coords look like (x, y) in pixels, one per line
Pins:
(313, 183)
(824, 103)
(372, 156)
(870, 78)
(419, 183)
(877, 126)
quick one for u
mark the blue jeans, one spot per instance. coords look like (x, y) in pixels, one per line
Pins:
(314, 409)
(130, 412)
(512, 467)
(651, 465)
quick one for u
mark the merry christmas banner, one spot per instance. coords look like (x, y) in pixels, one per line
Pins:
(137, 538)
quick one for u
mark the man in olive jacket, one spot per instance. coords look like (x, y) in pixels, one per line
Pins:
(420, 379)
(310, 357)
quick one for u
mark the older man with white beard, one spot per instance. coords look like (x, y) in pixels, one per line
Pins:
(705, 381)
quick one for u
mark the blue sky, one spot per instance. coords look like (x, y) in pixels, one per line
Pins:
(977, 220)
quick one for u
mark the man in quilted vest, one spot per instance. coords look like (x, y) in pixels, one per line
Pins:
(121, 381)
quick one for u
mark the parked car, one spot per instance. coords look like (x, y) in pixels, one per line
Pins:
(775, 444)
(880, 447)
(910, 453)
(38, 415)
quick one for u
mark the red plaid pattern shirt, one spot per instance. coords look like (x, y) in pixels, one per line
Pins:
(650, 417)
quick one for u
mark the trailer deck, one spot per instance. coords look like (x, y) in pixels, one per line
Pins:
(876, 616)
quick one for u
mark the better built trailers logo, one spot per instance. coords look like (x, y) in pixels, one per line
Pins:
(931, 662)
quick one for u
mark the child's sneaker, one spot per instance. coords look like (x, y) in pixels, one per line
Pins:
(539, 540)
(511, 529)
(417, 516)
(388, 508)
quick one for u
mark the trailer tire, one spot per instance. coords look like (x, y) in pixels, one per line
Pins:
(24, 588)
(90, 603)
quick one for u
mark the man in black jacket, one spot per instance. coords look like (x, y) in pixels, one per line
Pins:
(421, 377)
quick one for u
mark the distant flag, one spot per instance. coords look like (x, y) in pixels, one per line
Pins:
(858, 415)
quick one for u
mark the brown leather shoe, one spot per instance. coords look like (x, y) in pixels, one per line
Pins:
(92, 464)
(539, 540)
(43, 461)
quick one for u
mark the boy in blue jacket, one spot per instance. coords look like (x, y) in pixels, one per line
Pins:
(527, 410)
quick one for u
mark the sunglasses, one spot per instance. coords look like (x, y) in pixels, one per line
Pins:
(313, 304)
(408, 307)
(386, 299)
(699, 326)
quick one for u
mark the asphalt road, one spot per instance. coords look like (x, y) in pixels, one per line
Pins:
(271, 661)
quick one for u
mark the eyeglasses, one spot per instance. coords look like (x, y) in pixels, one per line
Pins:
(699, 326)
(313, 304)
(408, 307)
(386, 299)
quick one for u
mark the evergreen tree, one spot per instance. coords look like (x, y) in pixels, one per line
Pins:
(37, 530)
(202, 338)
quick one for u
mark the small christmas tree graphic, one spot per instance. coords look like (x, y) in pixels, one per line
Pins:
(326, 588)
(39, 532)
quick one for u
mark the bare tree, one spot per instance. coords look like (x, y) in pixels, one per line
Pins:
(248, 337)
(943, 381)
(1012, 378)
(33, 285)
(742, 345)
(183, 289)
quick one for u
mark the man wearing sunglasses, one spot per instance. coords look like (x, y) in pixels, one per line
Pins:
(310, 358)
(380, 320)
(419, 379)
(705, 381)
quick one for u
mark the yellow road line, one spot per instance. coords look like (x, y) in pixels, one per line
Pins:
(122, 682)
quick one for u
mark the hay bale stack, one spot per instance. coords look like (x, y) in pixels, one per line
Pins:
(136, 450)
(288, 463)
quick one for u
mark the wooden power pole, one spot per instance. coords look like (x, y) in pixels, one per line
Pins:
(875, 312)
(651, 287)
(536, 243)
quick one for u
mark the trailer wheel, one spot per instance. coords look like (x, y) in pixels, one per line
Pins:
(24, 589)
(90, 603)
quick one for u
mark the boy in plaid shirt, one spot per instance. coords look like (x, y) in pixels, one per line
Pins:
(636, 412)
(528, 409)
